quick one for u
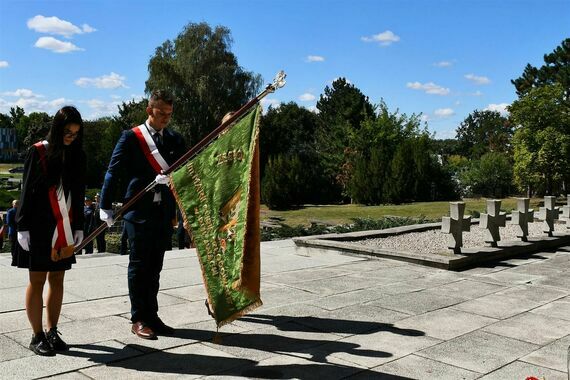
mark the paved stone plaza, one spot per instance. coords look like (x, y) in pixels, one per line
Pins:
(325, 316)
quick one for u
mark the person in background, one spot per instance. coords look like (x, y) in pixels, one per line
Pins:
(90, 222)
(12, 229)
(50, 223)
(124, 249)
(101, 242)
(181, 234)
(3, 230)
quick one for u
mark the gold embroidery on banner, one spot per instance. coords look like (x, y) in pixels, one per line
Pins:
(228, 220)
(205, 224)
(229, 156)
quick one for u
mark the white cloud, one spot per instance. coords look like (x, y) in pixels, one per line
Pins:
(444, 112)
(443, 64)
(102, 108)
(477, 93)
(313, 109)
(112, 80)
(429, 88)
(56, 45)
(57, 26)
(270, 102)
(87, 28)
(425, 118)
(3, 64)
(315, 58)
(34, 104)
(478, 79)
(385, 38)
(307, 97)
(500, 108)
(22, 93)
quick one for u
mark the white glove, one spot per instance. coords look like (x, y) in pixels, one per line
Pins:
(77, 237)
(106, 216)
(162, 179)
(24, 240)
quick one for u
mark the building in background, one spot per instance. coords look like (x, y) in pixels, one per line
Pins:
(8, 144)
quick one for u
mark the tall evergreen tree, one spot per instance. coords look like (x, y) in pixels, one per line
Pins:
(556, 69)
(342, 109)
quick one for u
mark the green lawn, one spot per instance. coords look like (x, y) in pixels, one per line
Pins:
(343, 214)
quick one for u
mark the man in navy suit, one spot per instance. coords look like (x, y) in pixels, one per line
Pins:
(139, 157)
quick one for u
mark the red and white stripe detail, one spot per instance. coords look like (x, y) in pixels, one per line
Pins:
(149, 149)
(61, 207)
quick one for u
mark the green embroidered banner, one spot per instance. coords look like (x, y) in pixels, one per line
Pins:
(218, 194)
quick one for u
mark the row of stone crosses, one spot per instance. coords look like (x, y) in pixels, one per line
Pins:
(456, 223)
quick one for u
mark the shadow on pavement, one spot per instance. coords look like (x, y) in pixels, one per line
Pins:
(327, 325)
(315, 351)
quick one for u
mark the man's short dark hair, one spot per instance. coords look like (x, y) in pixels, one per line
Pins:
(164, 95)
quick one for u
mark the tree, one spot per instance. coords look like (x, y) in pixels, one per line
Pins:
(342, 109)
(288, 132)
(37, 125)
(287, 129)
(204, 76)
(375, 145)
(446, 147)
(491, 176)
(542, 140)
(5, 121)
(556, 69)
(131, 114)
(18, 116)
(99, 139)
(484, 131)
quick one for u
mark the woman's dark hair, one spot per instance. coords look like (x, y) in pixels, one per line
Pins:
(57, 168)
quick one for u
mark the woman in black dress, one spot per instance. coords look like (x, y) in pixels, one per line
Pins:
(50, 222)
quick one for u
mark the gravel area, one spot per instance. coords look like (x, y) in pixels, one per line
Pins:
(435, 241)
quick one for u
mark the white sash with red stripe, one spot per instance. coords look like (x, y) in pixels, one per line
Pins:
(61, 207)
(149, 149)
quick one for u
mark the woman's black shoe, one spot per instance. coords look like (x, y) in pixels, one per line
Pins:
(56, 342)
(41, 346)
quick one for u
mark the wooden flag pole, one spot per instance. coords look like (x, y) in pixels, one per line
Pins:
(278, 82)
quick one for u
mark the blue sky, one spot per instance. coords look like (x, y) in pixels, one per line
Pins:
(443, 59)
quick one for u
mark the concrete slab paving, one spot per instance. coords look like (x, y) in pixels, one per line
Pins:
(445, 323)
(512, 301)
(557, 309)
(415, 302)
(416, 367)
(478, 351)
(532, 328)
(554, 355)
(325, 315)
(520, 370)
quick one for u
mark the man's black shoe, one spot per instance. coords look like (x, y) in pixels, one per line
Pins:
(56, 342)
(161, 328)
(41, 346)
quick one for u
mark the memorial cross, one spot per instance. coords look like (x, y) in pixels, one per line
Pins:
(549, 213)
(455, 224)
(492, 220)
(522, 217)
(566, 211)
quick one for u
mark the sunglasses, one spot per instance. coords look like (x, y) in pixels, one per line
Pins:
(68, 133)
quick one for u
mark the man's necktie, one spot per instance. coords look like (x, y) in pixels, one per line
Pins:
(157, 139)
